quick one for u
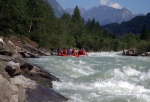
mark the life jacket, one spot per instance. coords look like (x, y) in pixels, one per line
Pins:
(68, 52)
(74, 52)
(82, 52)
(65, 51)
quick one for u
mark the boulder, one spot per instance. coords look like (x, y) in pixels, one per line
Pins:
(145, 54)
(13, 69)
(23, 63)
(44, 94)
(21, 81)
(130, 52)
(10, 92)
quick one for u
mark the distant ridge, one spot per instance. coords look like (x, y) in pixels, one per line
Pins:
(71, 10)
(103, 14)
(58, 10)
(133, 26)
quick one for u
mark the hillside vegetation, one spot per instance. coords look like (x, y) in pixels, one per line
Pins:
(36, 20)
(133, 26)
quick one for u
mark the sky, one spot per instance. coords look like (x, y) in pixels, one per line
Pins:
(135, 6)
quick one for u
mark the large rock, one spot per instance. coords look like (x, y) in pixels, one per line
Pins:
(10, 92)
(21, 81)
(130, 52)
(145, 54)
(44, 94)
(23, 63)
(13, 68)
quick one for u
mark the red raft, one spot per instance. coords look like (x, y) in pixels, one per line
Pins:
(73, 53)
(77, 55)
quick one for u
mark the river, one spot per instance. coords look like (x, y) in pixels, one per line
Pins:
(100, 77)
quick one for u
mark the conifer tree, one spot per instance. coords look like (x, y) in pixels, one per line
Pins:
(144, 33)
(76, 17)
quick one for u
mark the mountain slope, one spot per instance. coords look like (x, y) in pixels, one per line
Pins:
(133, 26)
(58, 10)
(71, 10)
(103, 14)
(106, 15)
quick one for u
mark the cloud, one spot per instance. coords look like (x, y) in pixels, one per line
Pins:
(104, 2)
(110, 4)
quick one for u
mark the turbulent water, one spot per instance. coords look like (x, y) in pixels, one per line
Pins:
(100, 77)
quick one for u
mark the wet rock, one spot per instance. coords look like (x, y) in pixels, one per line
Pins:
(21, 81)
(130, 52)
(145, 54)
(44, 94)
(40, 80)
(45, 74)
(48, 76)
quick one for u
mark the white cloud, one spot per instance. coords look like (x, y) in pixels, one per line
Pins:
(115, 5)
(104, 2)
(110, 4)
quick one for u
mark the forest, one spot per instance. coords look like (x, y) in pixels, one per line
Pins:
(36, 20)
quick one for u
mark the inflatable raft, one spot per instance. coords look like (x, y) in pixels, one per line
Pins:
(66, 52)
(77, 55)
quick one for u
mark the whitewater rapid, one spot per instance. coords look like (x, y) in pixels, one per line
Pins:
(100, 77)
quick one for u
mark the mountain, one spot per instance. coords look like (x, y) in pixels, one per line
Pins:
(71, 10)
(105, 14)
(58, 10)
(133, 26)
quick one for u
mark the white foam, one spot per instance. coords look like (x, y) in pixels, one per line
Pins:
(99, 89)
(104, 54)
(131, 72)
(145, 76)
(113, 87)
(71, 86)
(103, 76)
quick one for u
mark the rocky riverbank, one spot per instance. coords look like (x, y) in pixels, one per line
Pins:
(133, 52)
(21, 81)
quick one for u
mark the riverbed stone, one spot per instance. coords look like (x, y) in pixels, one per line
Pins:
(20, 80)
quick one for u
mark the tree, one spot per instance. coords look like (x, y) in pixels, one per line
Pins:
(144, 34)
(13, 15)
(76, 17)
(42, 23)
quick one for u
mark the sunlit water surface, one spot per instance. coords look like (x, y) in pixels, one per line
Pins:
(100, 77)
